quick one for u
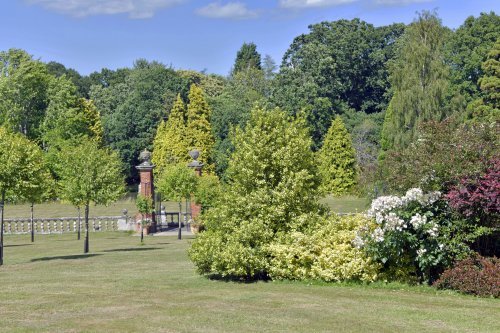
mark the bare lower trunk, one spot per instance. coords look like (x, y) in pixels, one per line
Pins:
(79, 223)
(179, 236)
(1, 226)
(32, 224)
(86, 243)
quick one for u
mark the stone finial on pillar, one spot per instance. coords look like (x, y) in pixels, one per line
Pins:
(195, 164)
(146, 186)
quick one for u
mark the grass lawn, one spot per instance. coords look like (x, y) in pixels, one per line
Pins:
(58, 209)
(50, 286)
(346, 204)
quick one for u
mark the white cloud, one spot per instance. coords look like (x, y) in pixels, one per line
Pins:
(138, 9)
(312, 3)
(399, 2)
(298, 4)
(231, 10)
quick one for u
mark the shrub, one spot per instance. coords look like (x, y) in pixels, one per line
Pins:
(441, 156)
(272, 182)
(324, 252)
(475, 275)
(419, 230)
(477, 199)
(480, 197)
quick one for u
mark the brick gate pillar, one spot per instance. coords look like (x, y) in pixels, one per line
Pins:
(146, 186)
(197, 166)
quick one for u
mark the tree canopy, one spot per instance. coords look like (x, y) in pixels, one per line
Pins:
(419, 81)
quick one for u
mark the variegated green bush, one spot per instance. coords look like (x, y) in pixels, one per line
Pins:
(272, 183)
(325, 252)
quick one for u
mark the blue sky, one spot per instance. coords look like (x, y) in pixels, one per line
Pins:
(88, 35)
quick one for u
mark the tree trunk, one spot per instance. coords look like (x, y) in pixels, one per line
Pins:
(32, 224)
(186, 215)
(79, 223)
(86, 243)
(179, 235)
(1, 226)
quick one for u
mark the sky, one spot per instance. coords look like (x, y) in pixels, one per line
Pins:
(202, 35)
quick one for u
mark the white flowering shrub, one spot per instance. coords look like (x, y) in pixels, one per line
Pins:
(415, 233)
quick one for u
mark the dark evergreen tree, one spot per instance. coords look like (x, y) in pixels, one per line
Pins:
(247, 58)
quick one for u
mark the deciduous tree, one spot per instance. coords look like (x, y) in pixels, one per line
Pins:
(177, 182)
(89, 174)
(21, 171)
(24, 89)
(419, 81)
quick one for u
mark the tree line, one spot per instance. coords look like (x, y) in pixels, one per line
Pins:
(383, 82)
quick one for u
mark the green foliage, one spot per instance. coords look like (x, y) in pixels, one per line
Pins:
(467, 49)
(24, 90)
(92, 120)
(198, 129)
(144, 204)
(132, 102)
(23, 172)
(441, 156)
(323, 252)
(69, 117)
(89, 174)
(337, 160)
(176, 182)
(336, 66)
(487, 108)
(82, 83)
(247, 58)
(232, 108)
(208, 191)
(212, 84)
(272, 183)
(170, 144)
(419, 81)
(366, 132)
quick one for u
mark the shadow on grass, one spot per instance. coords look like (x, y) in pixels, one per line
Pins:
(16, 245)
(131, 249)
(71, 257)
(239, 279)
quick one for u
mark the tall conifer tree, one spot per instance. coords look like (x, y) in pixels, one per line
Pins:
(199, 130)
(170, 145)
(337, 160)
